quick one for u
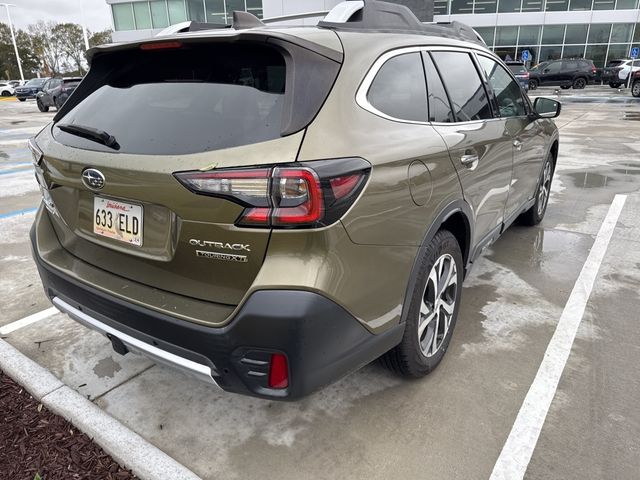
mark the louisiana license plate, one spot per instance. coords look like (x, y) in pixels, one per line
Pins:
(118, 220)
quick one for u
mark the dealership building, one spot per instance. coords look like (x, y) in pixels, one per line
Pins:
(597, 29)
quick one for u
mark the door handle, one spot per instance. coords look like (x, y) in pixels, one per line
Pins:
(469, 160)
(517, 144)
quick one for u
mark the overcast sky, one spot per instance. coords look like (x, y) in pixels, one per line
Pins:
(96, 12)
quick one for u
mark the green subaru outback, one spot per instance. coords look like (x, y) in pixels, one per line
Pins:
(271, 208)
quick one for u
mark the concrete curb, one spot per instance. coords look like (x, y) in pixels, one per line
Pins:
(125, 446)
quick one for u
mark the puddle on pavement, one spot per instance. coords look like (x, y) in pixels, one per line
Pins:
(589, 180)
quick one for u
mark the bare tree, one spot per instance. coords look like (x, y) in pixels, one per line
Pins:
(71, 40)
(47, 46)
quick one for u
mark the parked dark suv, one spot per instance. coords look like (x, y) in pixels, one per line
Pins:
(565, 73)
(270, 208)
(56, 91)
(30, 89)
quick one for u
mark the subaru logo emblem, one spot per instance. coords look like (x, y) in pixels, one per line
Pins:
(93, 178)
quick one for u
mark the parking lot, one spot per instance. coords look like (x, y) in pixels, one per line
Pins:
(452, 424)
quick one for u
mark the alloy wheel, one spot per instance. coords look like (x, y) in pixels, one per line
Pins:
(635, 89)
(438, 305)
(545, 187)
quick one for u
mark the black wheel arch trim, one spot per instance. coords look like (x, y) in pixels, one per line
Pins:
(452, 208)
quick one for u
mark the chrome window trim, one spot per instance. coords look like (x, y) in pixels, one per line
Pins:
(365, 85)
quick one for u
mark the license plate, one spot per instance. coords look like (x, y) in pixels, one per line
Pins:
(118, 220)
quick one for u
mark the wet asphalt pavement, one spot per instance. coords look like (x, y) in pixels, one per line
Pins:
(452, 424)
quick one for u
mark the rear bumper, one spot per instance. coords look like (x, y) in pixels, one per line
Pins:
(321, 340)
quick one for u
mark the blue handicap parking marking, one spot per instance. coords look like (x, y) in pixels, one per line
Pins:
(525, 55)
(634, 52)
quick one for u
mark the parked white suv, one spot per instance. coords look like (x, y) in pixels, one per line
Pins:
(6, 90)
(617, 71)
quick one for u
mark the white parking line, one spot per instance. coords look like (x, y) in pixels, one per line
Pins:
(518, 449)
(23, 322)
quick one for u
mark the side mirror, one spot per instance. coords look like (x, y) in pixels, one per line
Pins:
(546, 108)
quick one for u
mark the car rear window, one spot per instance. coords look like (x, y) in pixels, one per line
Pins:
(615, 63)
(186, 101)
(517, 68)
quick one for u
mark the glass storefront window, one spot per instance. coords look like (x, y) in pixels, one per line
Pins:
(440, 7)
(532, 5)
(506, 6)
(177, 12)
(461, 6)
(506, 35)
(123, 16)
(619, 51)
(506, 53)
(215, 11)
(599, 32)
(580, 5)
(142, 15)
(573, 51)
(485, 6)
(621, 32)
(576, 34)
(254, 7)
(533, 54)
(626, 4)
(529, 35)
(597, 53)
(233, 5)
(603, 4)
(159, 17)
(557, 5)
(552, 34)
(487, 34)
(636, 35)
(550, 53)
(195, 10)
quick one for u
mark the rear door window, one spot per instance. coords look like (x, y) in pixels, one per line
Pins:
(186, 101)
(398, 90)
(462, 82)
(439, 106)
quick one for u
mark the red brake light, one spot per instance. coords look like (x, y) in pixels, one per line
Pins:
(285, 196)
(160, 45)
(278, 371)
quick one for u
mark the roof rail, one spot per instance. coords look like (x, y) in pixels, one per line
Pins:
(378, 16)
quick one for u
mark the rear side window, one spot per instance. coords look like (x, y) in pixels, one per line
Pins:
(398, 90)
(439, 106)
(186, 101)
(466, 92)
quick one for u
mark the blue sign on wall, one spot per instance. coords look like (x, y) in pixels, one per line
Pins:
(634, 52)
(525, 55)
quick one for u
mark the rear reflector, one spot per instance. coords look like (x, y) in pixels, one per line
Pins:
(278, 371)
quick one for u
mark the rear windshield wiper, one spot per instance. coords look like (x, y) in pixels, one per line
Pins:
(90, 133)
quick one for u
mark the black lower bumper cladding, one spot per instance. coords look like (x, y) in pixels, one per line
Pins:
(321, 340)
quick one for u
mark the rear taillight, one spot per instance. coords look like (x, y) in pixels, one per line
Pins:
(593, 70)
(312, 194)
(525, 75)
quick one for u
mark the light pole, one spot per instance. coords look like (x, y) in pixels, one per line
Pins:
(13, 37)
(84, 28)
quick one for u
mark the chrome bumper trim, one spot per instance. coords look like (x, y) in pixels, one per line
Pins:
(198, 370)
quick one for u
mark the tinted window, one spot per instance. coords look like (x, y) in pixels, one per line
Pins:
(461, 79)
(186, 101)
(399, 90)
(517, 68)
(570, 65)
(553, 67)
(506, 90)
(439, 106)
(35, 82)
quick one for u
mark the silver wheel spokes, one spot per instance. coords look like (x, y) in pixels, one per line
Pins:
(438, 304)
(545, 187)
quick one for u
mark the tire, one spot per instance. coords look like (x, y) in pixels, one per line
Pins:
(6, 93)
(22, 99)
(41, 107)
(614, 85)
(57, 103)
(533, 84)
(413, 357)
(635, 88)
(535, 214)
(579, 83)
(565, 87)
